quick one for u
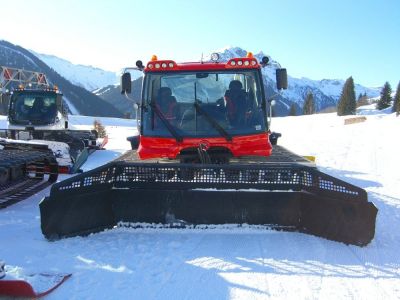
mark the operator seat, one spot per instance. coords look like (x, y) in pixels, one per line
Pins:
(236, 103)
(52, 109)
(21, 109)
(167, 104)
(37, 108)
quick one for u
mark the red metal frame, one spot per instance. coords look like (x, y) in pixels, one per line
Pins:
(157, 147)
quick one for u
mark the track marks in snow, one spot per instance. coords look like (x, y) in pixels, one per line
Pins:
(234, 264)
(178, 266)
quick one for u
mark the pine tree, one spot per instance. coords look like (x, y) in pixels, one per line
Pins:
(306, 105)
(312, 103)
(362, 100)
(101, 131)
(292, 111)
(347, 101)
(396, 102)
(386, 98)
(309, 105)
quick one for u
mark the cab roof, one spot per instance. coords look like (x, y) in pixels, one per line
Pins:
(232, 64)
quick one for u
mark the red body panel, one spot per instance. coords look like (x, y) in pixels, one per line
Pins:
(157, 147)
(246, 145)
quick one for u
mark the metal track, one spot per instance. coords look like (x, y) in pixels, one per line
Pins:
(20, 191)
(24, 172)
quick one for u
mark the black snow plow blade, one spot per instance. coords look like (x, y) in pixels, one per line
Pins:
(288, 196)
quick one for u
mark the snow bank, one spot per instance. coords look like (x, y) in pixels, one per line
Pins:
(243, 263)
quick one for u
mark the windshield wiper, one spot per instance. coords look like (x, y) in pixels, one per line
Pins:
(212, 121)
(167, 124)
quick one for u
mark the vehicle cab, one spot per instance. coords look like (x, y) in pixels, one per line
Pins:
(37, 109)
(218, 106)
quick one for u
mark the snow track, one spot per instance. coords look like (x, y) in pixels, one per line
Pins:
(202, 264)
(226, 263)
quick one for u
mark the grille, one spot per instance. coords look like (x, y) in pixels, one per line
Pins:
(173, 176)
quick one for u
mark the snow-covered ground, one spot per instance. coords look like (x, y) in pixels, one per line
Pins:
(227, 263)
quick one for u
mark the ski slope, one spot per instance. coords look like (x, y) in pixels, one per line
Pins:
(228, 262)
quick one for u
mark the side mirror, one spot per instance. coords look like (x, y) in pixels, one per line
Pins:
(281, 79)
(126, 83)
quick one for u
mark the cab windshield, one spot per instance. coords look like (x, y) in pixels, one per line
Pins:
(203, 104)
(32, 107)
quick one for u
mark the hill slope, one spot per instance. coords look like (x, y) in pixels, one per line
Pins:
(112, 94)
(85, 102)
(88, 77)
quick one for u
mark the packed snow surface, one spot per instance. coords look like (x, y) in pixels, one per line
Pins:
(230, 262)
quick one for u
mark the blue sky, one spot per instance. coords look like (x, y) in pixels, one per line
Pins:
(314, 39)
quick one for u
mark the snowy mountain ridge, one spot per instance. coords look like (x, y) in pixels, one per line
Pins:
(326, 91)
(88, 77)
(79, 99)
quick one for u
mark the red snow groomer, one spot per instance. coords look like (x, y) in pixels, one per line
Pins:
(205, 155)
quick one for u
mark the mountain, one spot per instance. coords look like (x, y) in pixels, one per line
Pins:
(88, 77)
(100, 82)
(80, 100)
(112, 94)
(326, 91)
